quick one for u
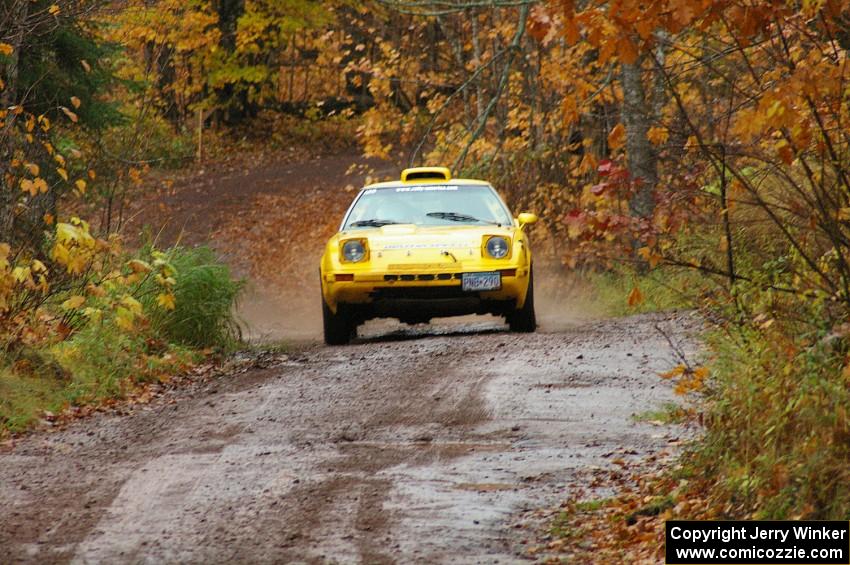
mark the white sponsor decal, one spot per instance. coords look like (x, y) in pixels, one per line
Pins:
(445, 245)
(437, 188)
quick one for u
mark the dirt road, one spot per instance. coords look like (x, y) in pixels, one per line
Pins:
(424, 446)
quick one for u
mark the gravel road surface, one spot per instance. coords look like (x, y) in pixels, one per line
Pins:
(422, 445)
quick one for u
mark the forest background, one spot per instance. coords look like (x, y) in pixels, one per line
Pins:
(681, 153)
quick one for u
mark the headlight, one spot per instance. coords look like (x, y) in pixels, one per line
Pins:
(353, 251)
(497, 247)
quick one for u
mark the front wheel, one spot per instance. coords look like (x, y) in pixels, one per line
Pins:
(524, 319)
(339, 328)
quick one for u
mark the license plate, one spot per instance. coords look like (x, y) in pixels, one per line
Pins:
(474, 282)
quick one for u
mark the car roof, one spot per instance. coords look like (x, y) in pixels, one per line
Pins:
(423, 182)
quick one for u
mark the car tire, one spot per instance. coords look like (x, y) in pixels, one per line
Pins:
(339, 328)
(524, 320)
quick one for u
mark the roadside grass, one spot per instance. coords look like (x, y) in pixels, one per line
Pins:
(24, 397)
(602, 531)
(661, 289)
(652, 506)
(668, 413)
(90, 368)
(205, 297)
(564, 526)
(592, 505)
(98, 361)
(100, 364)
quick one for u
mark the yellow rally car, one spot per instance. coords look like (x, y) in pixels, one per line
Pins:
(427, 246)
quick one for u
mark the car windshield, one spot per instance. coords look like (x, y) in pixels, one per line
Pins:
(428, 205)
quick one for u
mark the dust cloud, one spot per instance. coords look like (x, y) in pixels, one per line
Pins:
(268, 315)
(271, 315)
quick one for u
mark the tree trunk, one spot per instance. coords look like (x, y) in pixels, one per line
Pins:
(229, 12)
(642, 160)
(233, 103)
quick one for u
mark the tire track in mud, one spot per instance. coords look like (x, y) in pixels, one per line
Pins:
(412, 447)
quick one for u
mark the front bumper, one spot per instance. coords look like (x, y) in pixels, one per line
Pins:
(421, 294)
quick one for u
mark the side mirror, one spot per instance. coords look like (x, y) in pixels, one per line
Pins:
(526, 219)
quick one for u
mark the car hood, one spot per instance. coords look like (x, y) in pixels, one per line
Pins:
(402, 244)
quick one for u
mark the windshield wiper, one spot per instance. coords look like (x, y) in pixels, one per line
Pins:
(456, 217)
(374, 223)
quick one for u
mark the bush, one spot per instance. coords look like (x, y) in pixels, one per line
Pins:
(777, 442)
(159, 145)
(205, 295)
(93, 321)
(276, 130)
(775, 406)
